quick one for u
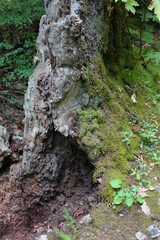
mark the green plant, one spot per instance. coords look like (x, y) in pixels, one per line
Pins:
(18, 32)
(62, 235)
(126, 136)
(151, 5)
(116, 183)
(142, 168)
(70, 224)
(14, 100)
(151, 140)
(127, 195)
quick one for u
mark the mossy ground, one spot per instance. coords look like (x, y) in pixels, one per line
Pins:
(109, 113)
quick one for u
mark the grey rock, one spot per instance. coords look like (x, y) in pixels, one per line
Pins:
(159, 201)
(141, 236)
(154, 231)
(4, 144)
(42, 237)
(145, 208)
(121, 215)
(157, 188)
(86, 220)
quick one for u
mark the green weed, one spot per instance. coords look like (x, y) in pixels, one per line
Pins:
(70, 224)
(127, 195)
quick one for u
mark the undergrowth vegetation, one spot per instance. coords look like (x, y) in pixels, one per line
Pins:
(70, 225)
(19, 24)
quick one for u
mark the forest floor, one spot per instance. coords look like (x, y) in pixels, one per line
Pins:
(78, 210)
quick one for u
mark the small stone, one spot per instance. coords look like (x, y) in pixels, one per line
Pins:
(81, 203)
(99, 180)
(154, 231)
(88, 234)
(145, 208)
(42, 237)
(140, 236)
(86, 219)
(159, 201)
(157, 188)
(40, 230)
(121, 215)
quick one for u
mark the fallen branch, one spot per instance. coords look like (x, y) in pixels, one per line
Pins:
(10, 102)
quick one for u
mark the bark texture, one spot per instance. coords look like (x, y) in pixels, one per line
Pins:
(4, 144)
(70, 34)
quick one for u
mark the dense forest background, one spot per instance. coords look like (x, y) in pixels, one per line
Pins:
(19, 25)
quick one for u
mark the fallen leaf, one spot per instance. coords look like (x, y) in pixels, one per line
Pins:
(142, 192)
(98, 234)
(66, 205)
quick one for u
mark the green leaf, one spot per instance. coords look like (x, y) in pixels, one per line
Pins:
(134, 188)
(140, 199)
(121, 193)
(61, 235)
(116, 183)
(153, 56)
(138, 177)
(117, 200)
(156, 6)
(129, 194)
(148, 37)
(130, 4)
(129, 201)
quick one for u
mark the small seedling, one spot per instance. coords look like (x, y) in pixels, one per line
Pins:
(70, 224)
(128, 195)
(126, 138)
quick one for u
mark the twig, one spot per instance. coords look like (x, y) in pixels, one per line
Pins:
(8, 100)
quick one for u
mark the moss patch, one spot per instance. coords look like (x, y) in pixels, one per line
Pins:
(110, 113)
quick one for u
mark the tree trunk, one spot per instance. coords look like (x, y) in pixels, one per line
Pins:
(71, 34)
